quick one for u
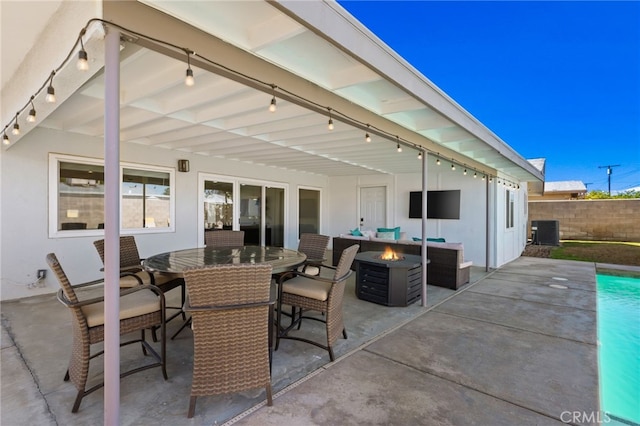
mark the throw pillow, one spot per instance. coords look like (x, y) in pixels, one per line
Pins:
(386, 235)
(396, 231)
(434, 240)
(356, 232)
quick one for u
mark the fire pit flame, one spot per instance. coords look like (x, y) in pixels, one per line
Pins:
(390, 255)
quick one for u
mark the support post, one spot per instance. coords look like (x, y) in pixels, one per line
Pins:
(112, 228)
(424, 229)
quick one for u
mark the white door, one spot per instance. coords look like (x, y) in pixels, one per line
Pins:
(373, 207)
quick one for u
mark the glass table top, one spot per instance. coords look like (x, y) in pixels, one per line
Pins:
(281, 259)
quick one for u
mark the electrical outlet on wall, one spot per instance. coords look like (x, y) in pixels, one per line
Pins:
(42, 273)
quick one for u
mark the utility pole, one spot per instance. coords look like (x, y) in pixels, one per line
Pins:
(609, 167)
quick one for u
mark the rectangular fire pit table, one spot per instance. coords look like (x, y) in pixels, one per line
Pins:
(388, 282)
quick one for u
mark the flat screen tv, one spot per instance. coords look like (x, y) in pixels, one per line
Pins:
(440, 204)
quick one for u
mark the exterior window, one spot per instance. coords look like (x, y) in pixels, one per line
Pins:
(80, 195)
(308, 211)
(146, 199)
(510, 208)
(77, 200)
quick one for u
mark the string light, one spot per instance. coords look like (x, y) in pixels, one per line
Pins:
(16, 126)
(31, 118)
(189, 80)
(51, 92)
(272, 105)
(83, 63)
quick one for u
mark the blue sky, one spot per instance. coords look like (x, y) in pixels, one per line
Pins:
(557, 80)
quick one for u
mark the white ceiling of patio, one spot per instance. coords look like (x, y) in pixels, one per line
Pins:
(223, 118)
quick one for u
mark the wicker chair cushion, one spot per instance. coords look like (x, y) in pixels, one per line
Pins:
(130, 281)
(305, 287)
(131, 305)
(309, 270)
(160, 279)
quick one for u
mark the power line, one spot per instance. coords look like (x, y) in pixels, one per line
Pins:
(609, 167)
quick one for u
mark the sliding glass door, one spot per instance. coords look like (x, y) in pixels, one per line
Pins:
(257, 208)
(308, 211)
(274, 216)
(251, 213)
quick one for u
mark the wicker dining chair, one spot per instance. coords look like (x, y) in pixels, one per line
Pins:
(232, 321)
(316, 293)
(224, 238)
(130, 262)
(141, 307)
(314, 246)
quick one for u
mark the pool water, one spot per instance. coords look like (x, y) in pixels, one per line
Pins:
(619, 347)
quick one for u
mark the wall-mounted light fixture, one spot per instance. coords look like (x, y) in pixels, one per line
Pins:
(183, 165)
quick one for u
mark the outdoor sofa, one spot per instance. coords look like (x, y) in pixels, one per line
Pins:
(447, 267)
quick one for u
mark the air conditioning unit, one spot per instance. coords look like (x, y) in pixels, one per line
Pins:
(546, 232)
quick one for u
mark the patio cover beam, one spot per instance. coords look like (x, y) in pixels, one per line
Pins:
(238, 65)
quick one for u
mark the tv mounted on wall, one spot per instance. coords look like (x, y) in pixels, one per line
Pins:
(440, 204)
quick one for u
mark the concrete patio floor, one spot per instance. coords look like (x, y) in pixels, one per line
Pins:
(505, 349)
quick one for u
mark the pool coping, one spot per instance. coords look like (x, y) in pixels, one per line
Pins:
(619, 270)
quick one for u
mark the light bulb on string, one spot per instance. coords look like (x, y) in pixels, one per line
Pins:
(51, 92)
(31, 118)
(438, 161)
(16, 127)
(82, 64)
(465, 172)
(5, 139)
(189, 80)
(420, 155)
(475, 175)
(330, 123)
(399, 148)
(453, 167)
(272, 105)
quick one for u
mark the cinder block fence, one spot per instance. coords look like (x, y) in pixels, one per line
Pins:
(591, 220)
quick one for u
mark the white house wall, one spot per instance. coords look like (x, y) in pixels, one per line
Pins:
(509, 243)
(469, 230)
(24, 204)
(24, 208)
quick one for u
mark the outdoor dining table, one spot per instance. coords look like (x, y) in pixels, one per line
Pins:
(280, 259)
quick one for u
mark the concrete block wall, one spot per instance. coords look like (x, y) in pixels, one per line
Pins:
(591, 220)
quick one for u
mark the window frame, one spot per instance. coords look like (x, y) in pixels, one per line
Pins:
(510, 211)
(54, 177)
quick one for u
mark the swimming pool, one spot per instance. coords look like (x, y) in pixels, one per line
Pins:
(619, 347)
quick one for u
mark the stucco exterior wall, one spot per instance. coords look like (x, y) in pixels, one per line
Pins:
(591, 220)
